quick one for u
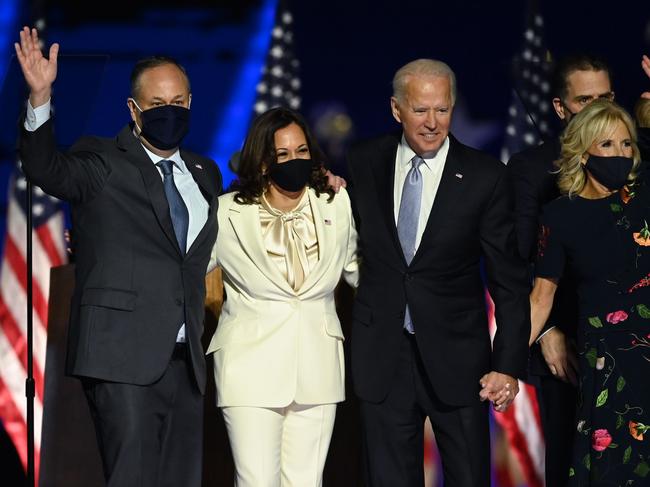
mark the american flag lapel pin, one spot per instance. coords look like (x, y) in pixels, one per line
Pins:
(328, 221)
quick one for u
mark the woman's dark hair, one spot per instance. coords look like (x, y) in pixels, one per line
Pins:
(259, 153)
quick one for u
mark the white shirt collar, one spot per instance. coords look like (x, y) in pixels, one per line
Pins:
(406, 153)
(175, 158)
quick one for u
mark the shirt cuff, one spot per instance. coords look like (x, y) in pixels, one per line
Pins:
(545, 332)
(35, 117)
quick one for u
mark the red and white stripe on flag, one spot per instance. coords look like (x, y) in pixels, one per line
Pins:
(48, 250)
(522, 423)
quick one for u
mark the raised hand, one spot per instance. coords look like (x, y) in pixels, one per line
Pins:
(39, 71)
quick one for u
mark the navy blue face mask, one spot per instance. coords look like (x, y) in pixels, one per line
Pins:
(612, 172)
(291, 175)
(165, 126)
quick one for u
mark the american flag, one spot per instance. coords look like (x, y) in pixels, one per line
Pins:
(530, 110)
(279, 85)
(48, 250)
(522, 424)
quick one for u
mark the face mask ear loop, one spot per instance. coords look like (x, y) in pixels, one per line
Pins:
(136, 104)
(140, 110)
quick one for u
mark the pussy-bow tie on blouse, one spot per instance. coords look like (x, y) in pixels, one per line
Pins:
(290, 235)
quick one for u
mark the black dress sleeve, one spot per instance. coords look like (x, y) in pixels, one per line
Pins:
(525, 187)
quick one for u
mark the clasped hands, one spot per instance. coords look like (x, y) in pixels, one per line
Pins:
(500, 389)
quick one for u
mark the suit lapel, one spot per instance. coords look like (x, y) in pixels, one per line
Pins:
(326, 223)
(201, 177)
(383, 170)
(245, 220)
(136, 154)
(449, 190)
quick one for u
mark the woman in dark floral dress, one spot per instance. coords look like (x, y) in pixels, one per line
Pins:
(598, 231)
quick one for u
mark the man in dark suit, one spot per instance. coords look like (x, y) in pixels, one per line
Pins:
(144, 225)
(578, 80)
(432, 214)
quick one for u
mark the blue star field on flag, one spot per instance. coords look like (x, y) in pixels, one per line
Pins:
(279, 85)
(530, 111)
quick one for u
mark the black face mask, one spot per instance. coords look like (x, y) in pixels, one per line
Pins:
(292, 175)
(165, 126)
(611, 172)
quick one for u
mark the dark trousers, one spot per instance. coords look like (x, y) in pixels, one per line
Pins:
(150, 436)
(393, 431)
(557, 401)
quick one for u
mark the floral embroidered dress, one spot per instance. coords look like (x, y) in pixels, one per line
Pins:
(605, 245)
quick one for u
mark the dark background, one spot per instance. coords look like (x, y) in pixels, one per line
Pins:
(348, 51)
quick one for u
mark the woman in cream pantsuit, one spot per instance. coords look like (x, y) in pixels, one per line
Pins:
(284, 241)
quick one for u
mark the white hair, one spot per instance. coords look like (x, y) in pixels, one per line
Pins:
(422, 68)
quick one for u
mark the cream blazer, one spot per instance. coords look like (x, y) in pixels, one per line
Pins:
(274, 345)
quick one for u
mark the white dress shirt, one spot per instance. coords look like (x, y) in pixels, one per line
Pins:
(197, 206)
(431, 171)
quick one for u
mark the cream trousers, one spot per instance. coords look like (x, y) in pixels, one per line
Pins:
(279, 447)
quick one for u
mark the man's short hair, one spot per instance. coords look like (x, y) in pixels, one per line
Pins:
(575, 62)
(153, 62)
(422, 67)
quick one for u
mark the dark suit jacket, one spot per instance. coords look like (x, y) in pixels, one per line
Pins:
(534, 185)
(133, 286)
(643, 135)
(470, 226)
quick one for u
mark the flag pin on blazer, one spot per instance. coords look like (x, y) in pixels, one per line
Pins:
(459, 175)
(328, 221)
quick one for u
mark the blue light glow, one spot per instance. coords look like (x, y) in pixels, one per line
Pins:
(8, 32)
(232, 126)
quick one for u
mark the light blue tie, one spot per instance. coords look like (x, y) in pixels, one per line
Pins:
(177, 209)
(408, 218)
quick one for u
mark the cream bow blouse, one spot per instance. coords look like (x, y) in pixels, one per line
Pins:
(290, 239)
